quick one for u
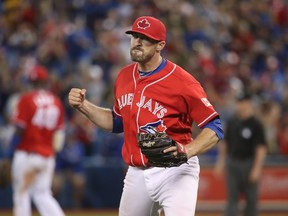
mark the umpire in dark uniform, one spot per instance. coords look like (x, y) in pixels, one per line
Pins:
(244, 151)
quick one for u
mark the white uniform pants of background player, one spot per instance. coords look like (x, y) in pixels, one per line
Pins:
(39, 190)
(175, 189)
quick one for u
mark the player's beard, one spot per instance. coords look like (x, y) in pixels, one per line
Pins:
(144, 57)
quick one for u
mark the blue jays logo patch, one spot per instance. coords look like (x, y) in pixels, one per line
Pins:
(153, 127)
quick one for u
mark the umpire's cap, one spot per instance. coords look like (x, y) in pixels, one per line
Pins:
(150, 27)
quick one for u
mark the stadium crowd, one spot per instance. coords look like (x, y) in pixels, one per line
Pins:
(228, 45)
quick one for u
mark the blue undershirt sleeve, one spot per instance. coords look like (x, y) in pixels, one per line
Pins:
(216, 126)
(117, 124)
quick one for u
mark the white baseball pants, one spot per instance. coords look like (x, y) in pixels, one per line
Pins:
(174, 189)
(39, 191)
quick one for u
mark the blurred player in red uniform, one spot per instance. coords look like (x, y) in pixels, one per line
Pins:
(151, 95)
(39, 121)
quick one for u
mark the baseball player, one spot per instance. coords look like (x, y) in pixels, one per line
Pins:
(38, 121)
(156, 96)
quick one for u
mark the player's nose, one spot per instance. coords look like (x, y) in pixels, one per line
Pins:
(138, 41)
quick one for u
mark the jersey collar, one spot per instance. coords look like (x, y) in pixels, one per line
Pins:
(159, 68)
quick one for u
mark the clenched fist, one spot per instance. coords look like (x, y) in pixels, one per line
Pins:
(76, 97)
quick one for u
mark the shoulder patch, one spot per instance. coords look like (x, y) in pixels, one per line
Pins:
(206, 102)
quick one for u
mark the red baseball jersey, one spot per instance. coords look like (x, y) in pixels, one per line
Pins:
(39, 113)
(168, 101)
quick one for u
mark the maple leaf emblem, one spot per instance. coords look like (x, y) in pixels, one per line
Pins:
(143, 24)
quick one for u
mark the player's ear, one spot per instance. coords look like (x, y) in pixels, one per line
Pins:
(160, 45)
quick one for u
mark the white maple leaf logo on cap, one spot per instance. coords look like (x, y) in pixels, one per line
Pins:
(143, 24)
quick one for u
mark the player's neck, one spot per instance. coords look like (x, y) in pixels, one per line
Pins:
(151, 65)
(156, 70)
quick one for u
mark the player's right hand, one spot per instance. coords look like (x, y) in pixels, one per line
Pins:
(76, 97)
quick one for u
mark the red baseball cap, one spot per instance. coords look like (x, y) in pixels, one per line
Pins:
(38, 73)
(150, 27)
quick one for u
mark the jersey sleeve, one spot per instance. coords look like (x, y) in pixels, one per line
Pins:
(199, 107)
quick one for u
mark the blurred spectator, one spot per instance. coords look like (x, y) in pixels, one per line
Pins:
(84, 132)
(79, 43)
(269, 115)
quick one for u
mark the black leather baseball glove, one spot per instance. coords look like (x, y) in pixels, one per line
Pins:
(5, 173)
(153, 145)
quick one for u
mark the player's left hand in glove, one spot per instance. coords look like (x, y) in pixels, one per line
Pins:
(153, 146)
(5, 173)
